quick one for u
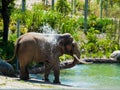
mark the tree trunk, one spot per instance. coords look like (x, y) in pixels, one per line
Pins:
(74, 7)
(6, 17)
(52, 4)
(106, 8)
(85, 16)
(101, 8)
(23, 5)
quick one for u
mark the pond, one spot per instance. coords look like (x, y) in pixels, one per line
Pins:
(94, 76)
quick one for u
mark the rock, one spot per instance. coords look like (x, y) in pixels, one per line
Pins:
(6, 69)
(116, 55)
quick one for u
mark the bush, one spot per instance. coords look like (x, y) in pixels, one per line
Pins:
(98, 23)
(102, 23)
(63, 7)
(7, 50)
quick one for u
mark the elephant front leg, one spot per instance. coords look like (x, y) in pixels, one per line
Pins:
(56, 70)
(48, 68)
(24, 74)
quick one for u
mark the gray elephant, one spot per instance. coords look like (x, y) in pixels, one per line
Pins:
(46, 48)
(6, 69)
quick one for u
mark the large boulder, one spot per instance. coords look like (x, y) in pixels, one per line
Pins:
(116, 55)
(6, 69)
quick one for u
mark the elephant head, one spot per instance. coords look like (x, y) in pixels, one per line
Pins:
(70, 47)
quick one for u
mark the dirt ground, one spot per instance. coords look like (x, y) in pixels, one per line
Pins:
(16, 83)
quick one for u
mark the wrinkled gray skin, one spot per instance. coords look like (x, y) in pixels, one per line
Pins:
(6, 69)
(45, 48)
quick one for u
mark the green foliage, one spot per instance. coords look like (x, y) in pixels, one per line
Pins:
(80, 22)
(98, 23)
(91, 35)
(98, 44)
(1, 27)
(102, 23)
(11, 5)
(79, 5)
(91, 45)
(6, 50)
(65, 57)
(63, 6)
(40, 6)
(13, 37)
(68, 25)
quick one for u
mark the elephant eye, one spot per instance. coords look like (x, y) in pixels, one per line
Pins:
(73, 45)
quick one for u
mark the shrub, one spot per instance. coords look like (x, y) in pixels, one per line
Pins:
(6, 50)
(63, 6)
(98, 23)
(102, 23)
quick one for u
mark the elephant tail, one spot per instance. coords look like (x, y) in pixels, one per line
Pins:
(15, 51)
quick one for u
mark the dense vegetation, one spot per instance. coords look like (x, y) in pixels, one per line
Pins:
(103, 34)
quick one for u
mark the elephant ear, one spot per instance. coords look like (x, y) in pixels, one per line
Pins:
(65, 39)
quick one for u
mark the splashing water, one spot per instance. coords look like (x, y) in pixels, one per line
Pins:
(47, 29)
(50, 33)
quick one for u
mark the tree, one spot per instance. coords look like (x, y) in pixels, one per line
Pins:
(73, 6)
(23, 5)
(85, 16)
(53, 4)
(105, 3)
(63, 6)
(101, 8)
(7, 6)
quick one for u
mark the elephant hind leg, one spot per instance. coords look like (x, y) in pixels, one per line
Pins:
(24, 74)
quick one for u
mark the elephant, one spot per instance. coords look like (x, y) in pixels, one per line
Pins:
(45, 48)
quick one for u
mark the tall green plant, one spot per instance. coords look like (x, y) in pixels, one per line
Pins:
(63, 6)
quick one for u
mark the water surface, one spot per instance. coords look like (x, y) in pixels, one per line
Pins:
(102, 76)
(94, 76)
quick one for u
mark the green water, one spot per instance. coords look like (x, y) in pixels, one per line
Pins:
(94, 76)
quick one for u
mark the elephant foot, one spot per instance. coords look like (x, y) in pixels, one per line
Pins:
(46, 80)
(24, 78)
(56, 82)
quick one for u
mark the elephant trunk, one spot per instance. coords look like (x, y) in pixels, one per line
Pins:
(67, 64)
(70, 64)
